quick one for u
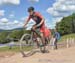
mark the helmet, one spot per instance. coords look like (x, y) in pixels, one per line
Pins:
(30, 9)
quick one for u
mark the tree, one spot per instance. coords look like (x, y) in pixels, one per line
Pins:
(16, 34)
(66, 25)
(3, 36)
(73, 23)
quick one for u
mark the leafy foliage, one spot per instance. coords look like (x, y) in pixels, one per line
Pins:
(6, 36)
(66, 25)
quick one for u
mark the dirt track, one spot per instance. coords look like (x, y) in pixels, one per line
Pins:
(66, 55)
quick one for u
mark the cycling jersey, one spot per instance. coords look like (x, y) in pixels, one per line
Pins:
(37, 17)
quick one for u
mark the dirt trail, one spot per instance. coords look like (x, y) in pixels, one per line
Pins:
(66, 55)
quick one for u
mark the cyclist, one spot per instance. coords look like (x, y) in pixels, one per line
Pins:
(39, 20)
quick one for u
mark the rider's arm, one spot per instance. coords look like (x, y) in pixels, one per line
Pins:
(42, 21)
(26, 22)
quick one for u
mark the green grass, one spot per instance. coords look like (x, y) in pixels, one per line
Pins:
(15, 48)
(27, 48)
(67, 36)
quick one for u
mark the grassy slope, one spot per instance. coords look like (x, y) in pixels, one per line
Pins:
(67, 36)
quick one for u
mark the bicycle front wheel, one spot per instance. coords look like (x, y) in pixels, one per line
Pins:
(26, 45)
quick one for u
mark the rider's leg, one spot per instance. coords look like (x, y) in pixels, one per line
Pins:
(41, 33)
(45, 49)
(35, 36)
(46, 40)
(43, 38)
(55, 44)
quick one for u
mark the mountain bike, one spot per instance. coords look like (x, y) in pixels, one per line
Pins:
(28, 43)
